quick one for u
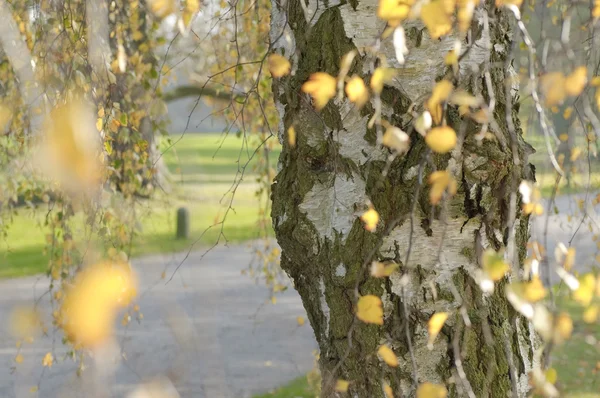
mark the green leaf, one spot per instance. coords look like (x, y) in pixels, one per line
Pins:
(108, 147)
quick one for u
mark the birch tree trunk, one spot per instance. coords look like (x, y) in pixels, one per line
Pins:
(324, 182)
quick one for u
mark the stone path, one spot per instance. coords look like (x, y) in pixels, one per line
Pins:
(209, 329)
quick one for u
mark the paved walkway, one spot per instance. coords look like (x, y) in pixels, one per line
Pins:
(209, 329)
(566, 227)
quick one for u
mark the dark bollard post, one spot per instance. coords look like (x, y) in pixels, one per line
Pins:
(183, 223)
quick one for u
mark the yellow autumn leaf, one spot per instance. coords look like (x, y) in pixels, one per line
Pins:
(369, 309)
(19, 358)
(533, 208)
(382, 270)
(300, 321)
(441, 181)
(494, 265)
(279, 65)
(434, 326)
(585, 292)
(292, 136)
(387, 355)
(429, 390)
(436, 18)
(551, 375)
(463, 98)
(88, 311)
(321, 87)
(576, 81)
(394, 11)
(48, 360)
(389, 393)
(71, 149)
(552, 87)
(342, 385)
(563, 327)
(440, 94)
(590, 315)
(370, 218)
(441, 139)
(24, 322)
(381, 76)
(597, 98)
(451, 58)
(596, 9)
(162, 8)
(534, 290)
(567, 113)
(464, 14)
(500, 3)
(357, 92)
(569, 261)
(396, 139)
(33, 389)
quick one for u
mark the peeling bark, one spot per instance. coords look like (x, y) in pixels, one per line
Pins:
(322, 187)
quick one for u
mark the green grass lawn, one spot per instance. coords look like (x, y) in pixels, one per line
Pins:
(298, 388)
(204, 168)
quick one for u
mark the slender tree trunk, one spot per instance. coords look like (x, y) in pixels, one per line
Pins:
(326, 179)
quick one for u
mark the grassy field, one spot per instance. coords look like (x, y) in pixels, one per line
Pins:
(204, 169)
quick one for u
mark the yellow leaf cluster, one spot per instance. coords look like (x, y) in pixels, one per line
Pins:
(528, 292)
(589, 287)
(494, 265)
(387, 355)
(162, 8)
(441, 139)
(25, 322)
(500, 3)
(357, 92)
(437, 17)
(389, 393)
(369, 309)
(576, 81)
(48, 360)
(90, 305)
(370, 218)
(394, 11)
(464, 14)
(441, 181)
(279, 65)
(381, 76)
(555, 86)
(71, 147)
(382, 270)
(441, 92)
(430, 390)
(321, 87)
(434, 326)
(292, 136)
(342, 385)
